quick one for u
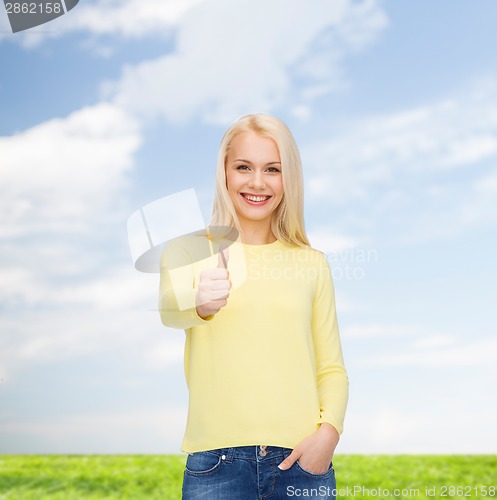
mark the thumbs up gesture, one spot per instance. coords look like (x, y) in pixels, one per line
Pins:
(214, 287)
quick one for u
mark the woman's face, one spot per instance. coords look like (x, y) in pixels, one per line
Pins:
(253, 169)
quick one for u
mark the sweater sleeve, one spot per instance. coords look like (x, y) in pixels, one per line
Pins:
(332, 379)
(177, 289)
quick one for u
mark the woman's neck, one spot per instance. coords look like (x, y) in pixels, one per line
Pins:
(256, 235)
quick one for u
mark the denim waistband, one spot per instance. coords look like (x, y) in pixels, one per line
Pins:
(253, 452)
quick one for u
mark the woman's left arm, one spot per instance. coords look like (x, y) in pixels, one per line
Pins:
(316, 451)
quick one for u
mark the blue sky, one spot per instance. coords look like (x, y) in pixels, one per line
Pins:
(116, 104)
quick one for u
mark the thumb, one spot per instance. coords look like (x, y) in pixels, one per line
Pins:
(289, 461)
(223, 256)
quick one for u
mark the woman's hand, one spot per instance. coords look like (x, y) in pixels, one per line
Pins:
(315, 452)
(213, 288)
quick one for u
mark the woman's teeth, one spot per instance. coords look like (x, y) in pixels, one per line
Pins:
(255, 198)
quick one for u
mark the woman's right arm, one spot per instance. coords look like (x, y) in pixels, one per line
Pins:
(177, 290)
(182, 302)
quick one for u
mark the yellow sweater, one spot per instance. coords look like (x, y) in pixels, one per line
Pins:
(268, 367)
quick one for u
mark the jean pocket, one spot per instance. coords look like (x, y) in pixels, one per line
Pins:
(202, 462)
(314, 474)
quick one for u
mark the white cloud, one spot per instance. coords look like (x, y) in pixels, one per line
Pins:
(480, 206)
(376, 330)
(395, 429)
(327, 240)
(397, 171)
(151, 430)
(236, 57)
(225, 63)
(117, 288)
(375, 151)
(61, 180)
(126, 18)
(452, 133)
(76, 327)
(62, 173)
(470, 150)
(129, 18)
(433, 342)
(56, 335)
(165, 352)
(61, 194)
(445, 353)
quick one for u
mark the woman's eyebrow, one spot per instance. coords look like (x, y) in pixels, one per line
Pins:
(248, 161)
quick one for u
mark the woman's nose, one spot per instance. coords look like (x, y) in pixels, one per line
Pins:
(257, 181)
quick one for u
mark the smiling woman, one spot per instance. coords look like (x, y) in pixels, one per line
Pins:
(263, 359)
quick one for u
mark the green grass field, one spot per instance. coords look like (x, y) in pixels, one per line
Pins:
(160, 476)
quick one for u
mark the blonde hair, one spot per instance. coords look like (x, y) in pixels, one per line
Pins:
(287, 223)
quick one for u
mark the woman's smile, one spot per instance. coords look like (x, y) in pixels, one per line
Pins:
(255, 200)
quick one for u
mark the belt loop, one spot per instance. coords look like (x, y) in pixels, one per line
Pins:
(230, 453)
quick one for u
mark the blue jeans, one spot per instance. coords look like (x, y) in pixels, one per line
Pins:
(251, 473)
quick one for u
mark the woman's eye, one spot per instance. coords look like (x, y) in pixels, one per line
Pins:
(270, 169)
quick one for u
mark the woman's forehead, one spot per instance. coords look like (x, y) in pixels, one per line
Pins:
(250, 144)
